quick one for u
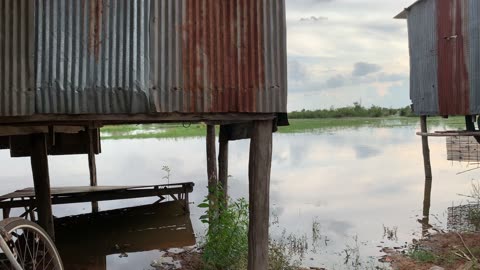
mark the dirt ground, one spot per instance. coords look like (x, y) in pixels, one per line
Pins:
(451, 251)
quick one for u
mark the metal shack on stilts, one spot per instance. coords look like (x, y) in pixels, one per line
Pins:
(444, 41)
(69, 67)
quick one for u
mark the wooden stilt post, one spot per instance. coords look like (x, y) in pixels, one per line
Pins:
(211, 164)
(223, 164)
(259, 194)
(92, 165)
(428, 172)
(6, 213)
(41, 179)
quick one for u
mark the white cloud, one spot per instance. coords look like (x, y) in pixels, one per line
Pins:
(352, 50)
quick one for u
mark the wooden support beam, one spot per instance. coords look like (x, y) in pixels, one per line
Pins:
(223, 164)
(117, 119)
(92, 165)
(259, 194)
(4, 142)
(65, 144)
(41, 180)
(211, 164)
(6, 213)
(428, 172)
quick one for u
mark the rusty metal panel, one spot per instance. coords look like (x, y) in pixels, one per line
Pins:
(422, 31)
(16, 57)
(92, 56)
(142, 56)
(473, 10)
(218, 56)
(454, 85)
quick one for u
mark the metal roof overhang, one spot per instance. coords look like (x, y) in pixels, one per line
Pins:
(404, 13)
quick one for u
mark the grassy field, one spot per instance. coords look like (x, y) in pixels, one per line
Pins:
(296, 126)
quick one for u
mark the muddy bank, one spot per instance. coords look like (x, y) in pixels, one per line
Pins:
(188, 259)
(449, 251)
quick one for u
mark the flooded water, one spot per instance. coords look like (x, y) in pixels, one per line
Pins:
(352, 190)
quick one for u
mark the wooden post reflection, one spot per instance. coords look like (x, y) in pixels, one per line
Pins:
(428, 176)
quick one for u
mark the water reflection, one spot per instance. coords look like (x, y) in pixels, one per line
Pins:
(123, 235)
(322, 177)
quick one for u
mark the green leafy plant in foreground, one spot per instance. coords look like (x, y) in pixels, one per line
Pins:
(226, 240)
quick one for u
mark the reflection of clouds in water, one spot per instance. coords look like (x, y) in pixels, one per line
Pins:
(395, 188)
(354, 180)
(365, 151)
(340, 228)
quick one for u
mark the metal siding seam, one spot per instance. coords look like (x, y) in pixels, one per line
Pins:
(67, 57)
(104, 55)
(278, 42)
(283, 59)
(14, 58)
(271, 87)
(8, 55)
(466, 48)
(176, 61)
(266, 58)
(3, 62)
(205, 63)
(474, 58)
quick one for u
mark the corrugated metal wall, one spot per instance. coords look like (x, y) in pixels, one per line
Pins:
(16, 57)
(423, 58)
(454, 86)
(149, 56)
(92, 56)
(219, 56)
(446, 80)
(474, 53)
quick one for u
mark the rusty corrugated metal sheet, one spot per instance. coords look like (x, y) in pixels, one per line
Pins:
(16, 57)
(423, 58)
(149, 56)
(219, 56)
(454, 86)
(457, 57)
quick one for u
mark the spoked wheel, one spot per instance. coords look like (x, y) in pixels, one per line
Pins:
(33, 248)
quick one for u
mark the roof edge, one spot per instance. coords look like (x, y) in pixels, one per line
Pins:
(404, 13)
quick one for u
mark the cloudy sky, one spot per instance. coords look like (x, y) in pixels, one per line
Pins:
(342, 51)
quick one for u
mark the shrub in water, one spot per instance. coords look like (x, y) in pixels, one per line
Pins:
(226, 241)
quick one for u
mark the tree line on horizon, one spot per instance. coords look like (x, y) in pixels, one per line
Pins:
(356, 110)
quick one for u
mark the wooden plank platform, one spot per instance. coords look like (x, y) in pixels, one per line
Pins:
(449, 133)
(25, 198)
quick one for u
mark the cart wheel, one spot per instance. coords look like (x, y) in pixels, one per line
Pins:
(33, 248)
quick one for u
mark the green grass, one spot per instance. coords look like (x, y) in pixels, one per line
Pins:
(171, 131)
(423, 256)
(310, 125)
(161, 131)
